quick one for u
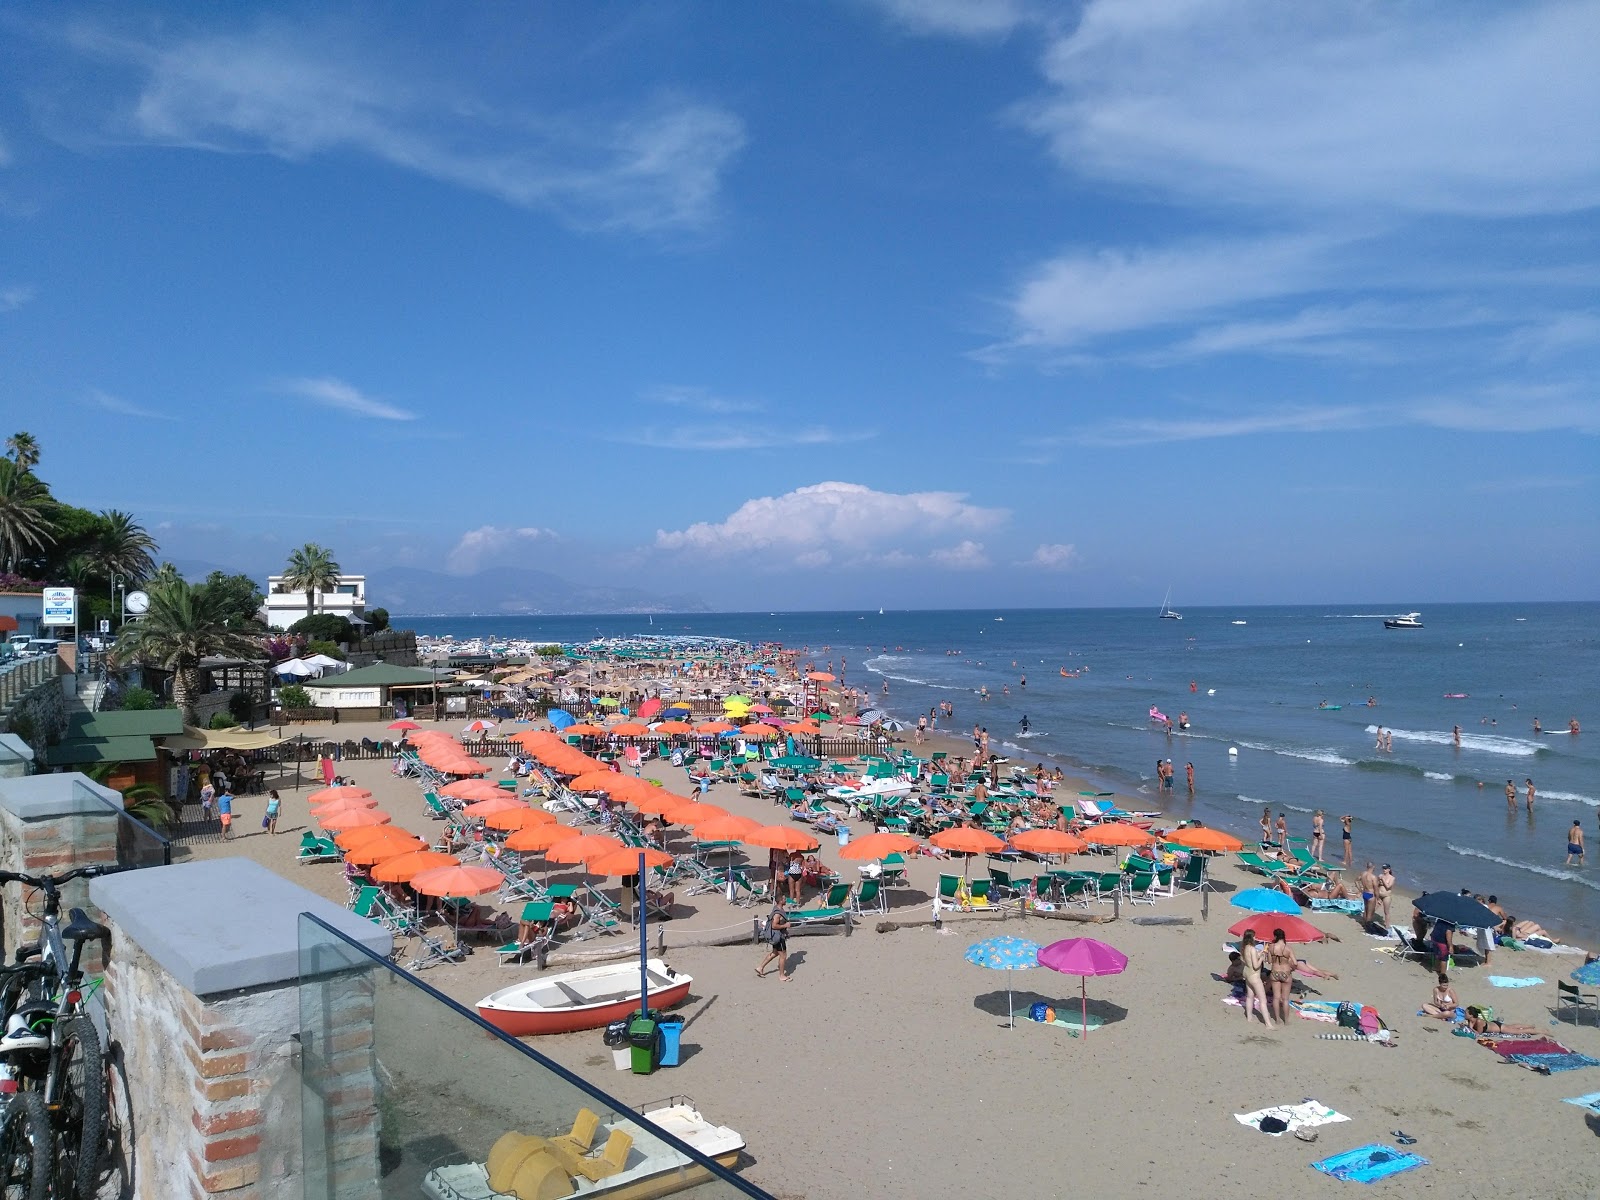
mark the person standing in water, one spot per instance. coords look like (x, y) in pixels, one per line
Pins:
(1511, 796)
(1346, 821)
(1575, 844)
(1529, 782)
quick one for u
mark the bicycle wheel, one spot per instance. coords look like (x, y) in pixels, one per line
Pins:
(80, 1117)
(25, 1149)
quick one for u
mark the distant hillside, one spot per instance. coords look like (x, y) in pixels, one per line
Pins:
(411, 591)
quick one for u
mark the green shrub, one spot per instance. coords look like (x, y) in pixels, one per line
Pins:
(138, 699)
(324, 627)
(379, 617)
(331, 649)
(550, 651)
(241, 706)
(223, 720)
(295, 696)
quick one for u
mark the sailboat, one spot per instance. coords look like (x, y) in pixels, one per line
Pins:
(1168, 613)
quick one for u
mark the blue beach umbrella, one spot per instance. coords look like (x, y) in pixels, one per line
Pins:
(1264, 900)
(1005, 954)
(560, 718)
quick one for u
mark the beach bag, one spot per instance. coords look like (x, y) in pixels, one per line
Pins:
(1369, 1021)
(617, 1034)
(1348, 1016)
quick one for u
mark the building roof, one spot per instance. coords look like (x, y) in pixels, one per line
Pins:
(377, 675)
(75, 752)
(221, 739)
(155, 722)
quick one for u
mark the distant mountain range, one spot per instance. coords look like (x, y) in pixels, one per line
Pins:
(413, 592)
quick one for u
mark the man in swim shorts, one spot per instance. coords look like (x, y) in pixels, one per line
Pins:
(1575, 844)
(1369, 888)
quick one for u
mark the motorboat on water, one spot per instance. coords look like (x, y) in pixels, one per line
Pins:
(620, 1157)
(1408, 621)
(587, 999)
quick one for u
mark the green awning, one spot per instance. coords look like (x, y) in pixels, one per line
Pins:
(155, 722)
(377, 675)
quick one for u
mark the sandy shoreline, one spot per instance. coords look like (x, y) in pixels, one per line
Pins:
(886, 1059)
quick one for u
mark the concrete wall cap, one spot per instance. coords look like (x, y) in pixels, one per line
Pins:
(224, 924)
(11, 746)
(68, 793)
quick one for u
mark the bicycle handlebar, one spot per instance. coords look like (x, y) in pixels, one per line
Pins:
(51, 883)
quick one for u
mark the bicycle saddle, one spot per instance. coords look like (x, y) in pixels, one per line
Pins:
(80, 928)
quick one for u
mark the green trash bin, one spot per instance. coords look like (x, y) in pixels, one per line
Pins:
(644, 1037)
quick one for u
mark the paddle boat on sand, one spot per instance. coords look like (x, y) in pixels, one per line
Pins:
(588, 999)
(623, 1157)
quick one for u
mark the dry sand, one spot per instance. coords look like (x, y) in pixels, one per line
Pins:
(885, 1067)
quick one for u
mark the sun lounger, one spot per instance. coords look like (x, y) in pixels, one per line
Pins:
(800, 918)
(314, 849)
(868, 897)
(1261, 866)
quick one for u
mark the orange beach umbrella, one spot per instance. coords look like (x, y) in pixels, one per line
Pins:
(780, 837)
(872, 846)
(342, 792)
(722, 827)
(353, 819)
(533, 838)
(1203, 837)
(377, 850)
(1116, 833)
(674, 727)
(1048, 841)
(519, 818)
(757, 732)
(457, 881)
(497, 804)
(961, 840)
(472, 789)
(582, 848)
(626, 860)
(352, 838)
(404, 867)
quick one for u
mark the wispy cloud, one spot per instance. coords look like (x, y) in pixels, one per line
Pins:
(337, 394)
(812, 524)
(123, 408)
(699, 399)
(721, 438)
(14, 296)
(1052, 556)
(1418, 109)
(490, 545)
(965, 555)
(1535, 483)
(297, 95)
(959, 18)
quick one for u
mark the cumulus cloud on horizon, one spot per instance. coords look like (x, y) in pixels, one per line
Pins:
(494, 545)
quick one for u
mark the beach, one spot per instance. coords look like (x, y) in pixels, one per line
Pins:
(887, 1066)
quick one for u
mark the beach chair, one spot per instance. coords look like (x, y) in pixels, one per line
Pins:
(514, 952)
(746, 893)
(1573, 997)
(951, 893)
(893, 870)
(1309, 864)
(1261, 866)
(1406, 946)
(978, 894)
(837, 896)
(868, 896)
(826, 915)
(1193, 878)
(314, 849)
(1072, 889)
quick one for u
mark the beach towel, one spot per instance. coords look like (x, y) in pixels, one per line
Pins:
(1348, 906)
(1569, 1061)
(1326, 1011)
(1511, 981)
(1307, 1115)
(1526, 1045)
(1591, 1101)
(1368, 1164)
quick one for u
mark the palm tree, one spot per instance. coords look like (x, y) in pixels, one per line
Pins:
(26, 512)
(183, 625)
(311, 569)
(121, 545)
(142, 801)
(24, 450)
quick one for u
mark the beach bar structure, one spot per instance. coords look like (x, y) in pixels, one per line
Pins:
(369, 693)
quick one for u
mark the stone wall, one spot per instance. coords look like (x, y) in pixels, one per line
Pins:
(40, 717)
(49, 824)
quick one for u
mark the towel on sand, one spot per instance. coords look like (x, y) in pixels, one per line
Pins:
(1556, 1062)
(1368, 1164)
(1326, 1011)
(1509, 1046)
(1296, 1116)
(1513, 981)
(1591, 1101)
(1318, 904)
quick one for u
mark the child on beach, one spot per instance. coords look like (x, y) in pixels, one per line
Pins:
(270, 821)
(207, 795)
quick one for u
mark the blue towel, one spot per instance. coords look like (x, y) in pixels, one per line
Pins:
(1512, 981)
(1591, 1101)
(1368, 1164)
(1556, 1062)
(1320, 905)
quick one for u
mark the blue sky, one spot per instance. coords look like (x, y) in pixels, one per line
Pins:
(863, 303)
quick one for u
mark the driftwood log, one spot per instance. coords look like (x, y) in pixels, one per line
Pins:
(1081, 918)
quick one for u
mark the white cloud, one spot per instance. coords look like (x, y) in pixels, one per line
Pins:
(699, 399)
(14, 296)
(847, 518)
(1401, 108)
(492, 545)
(965, 555)
(296, 96)
(1052, 556)
(1083, 295)
(124, 408)
(760, 436)
(337, 394)
(959, 18)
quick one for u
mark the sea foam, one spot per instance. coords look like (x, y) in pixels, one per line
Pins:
(1548, 872)
(1487, 743)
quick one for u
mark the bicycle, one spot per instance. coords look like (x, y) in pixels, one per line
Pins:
(51, 1062)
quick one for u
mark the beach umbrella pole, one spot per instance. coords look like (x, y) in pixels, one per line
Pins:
(1083, 999)
(644, 962)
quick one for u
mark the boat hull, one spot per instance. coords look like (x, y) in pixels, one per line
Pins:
(578, 1000)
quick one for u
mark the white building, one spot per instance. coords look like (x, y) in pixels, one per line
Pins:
(285, 606)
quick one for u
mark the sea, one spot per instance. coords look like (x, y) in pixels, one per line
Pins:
(1284, 706)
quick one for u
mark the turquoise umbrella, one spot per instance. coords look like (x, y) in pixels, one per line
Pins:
(1005, 954)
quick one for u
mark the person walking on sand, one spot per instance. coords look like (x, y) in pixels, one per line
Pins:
(1317, 834)
(1266, 827)
(1344, 835)
(270, 821)
(225, 812)
(777, 941)
(207, 795)
(1255, 992)
(1281, 966)
(1575, 844)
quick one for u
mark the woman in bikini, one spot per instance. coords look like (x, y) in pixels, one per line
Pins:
(1282, 965)
(1255, 992)
(1442, 1003)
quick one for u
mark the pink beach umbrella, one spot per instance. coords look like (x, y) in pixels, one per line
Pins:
(1083, 957)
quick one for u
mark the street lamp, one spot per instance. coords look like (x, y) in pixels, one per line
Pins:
(119, 581)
